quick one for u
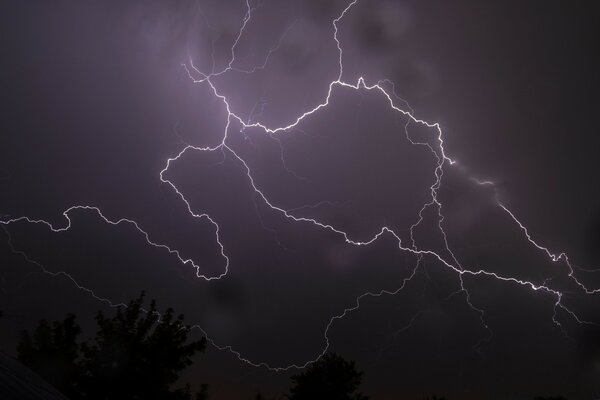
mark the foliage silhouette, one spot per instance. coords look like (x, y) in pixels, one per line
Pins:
(52, 352)
(331, 378)
(136, 354)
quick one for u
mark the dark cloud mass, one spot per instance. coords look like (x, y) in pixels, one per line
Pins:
(98, 96)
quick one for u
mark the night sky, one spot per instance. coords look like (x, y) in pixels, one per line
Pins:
(153, 113)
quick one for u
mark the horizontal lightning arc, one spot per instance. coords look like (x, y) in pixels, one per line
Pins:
(198, 77)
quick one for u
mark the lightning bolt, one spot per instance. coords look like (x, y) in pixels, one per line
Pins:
(387, 90)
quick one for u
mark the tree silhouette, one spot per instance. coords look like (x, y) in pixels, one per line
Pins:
(331, 378)
(52, 352)
(135, 354)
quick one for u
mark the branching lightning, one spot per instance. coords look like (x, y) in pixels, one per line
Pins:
(383, 88)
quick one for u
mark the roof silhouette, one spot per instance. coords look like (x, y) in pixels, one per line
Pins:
(19, 382)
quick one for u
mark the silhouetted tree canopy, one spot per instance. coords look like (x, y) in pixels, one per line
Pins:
(52, 352)
(135, 354)
(331, 378)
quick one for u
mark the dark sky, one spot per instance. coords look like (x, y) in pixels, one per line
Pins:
(95, 99)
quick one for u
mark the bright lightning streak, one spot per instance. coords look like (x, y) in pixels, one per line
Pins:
(439, 153)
